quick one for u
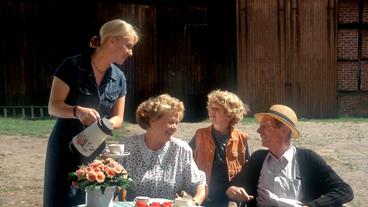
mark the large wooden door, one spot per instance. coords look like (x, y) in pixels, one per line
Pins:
(182, 59)
(286, 54)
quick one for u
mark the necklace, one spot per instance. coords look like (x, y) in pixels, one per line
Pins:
(96, 69)
(99, 74)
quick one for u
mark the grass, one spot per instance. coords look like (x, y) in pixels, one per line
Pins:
(25, 127)
(41, 128)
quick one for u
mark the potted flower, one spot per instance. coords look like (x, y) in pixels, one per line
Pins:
(99, 180)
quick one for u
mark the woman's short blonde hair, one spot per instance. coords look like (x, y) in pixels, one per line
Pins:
(231, 103)
(116, 28)
(156, 107)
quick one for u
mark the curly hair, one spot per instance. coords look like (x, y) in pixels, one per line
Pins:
(230, 102)
(156, 107)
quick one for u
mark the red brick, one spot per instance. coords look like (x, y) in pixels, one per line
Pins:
(365, 44)
(353, 105)
(365, 12)
(347, 44)
(348, 11)
(347, 78)
(364, 77)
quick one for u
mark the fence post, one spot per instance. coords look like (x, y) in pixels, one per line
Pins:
(32, 112)
(23, 113)
(41, 112)
(5, 115)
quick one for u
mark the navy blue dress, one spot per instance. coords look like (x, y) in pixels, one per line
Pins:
(77, 73)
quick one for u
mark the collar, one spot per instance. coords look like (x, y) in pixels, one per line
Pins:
(86, 66)
(114, 71)
(288, 154)
(234, 135)
(150, 155)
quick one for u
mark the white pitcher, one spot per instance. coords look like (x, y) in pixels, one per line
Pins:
(88, 140)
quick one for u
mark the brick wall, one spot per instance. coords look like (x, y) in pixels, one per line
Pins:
(347, 43)
(353, 105)
(364, 44)
(365, 12)
(347, 78)
(364, 77)
(352, 58)
(348, 11)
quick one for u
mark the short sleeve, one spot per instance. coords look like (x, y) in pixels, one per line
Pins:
(192, 175)
(65, 71)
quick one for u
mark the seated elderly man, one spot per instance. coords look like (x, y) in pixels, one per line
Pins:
(285, 175)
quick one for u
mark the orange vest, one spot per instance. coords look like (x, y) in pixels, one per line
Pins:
(204, 151)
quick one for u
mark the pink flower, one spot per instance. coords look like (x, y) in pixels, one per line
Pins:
(111, 172)
(100, 177)
(96, 169)
(81, 173)
(118, 168)
(91, 176)
(80, 140)
(105, 168)
(95, 164)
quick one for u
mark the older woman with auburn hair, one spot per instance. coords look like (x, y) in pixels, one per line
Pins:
(160, 164)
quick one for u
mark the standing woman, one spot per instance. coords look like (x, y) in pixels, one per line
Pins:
(84, 88)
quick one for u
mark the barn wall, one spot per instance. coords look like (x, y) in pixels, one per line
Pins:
(286, 54)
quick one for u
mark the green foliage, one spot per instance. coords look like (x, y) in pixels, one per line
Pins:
(26, 127)
(40, 128)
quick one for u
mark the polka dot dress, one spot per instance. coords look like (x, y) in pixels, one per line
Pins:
(161, 173)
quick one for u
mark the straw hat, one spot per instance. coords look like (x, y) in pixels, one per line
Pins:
(284, 114)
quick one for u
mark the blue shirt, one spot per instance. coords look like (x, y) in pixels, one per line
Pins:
(77, 73)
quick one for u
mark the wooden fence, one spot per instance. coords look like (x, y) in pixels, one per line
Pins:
(32, 112)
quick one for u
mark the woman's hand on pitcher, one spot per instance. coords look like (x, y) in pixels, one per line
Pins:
(86, 116)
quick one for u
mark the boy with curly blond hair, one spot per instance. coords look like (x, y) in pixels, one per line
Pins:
(221, 150)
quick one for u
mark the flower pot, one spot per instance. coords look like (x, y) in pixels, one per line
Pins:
(95, 198)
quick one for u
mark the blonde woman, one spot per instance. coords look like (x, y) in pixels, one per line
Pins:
(160, 164)
(220, 150)
(84, 88)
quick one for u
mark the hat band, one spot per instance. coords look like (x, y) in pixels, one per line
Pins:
(282, 116)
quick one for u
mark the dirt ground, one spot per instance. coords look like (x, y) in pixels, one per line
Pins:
(343, 144)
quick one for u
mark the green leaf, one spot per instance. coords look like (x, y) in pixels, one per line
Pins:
(73, 176)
